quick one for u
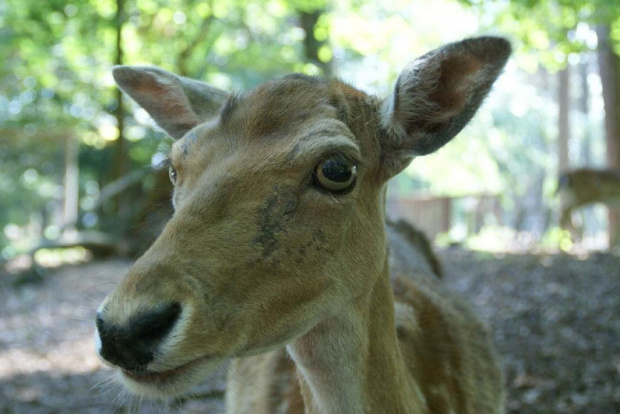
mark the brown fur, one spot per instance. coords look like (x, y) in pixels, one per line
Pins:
(295, 283)
(585, 186)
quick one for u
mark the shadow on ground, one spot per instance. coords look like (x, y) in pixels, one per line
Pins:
(555, 319)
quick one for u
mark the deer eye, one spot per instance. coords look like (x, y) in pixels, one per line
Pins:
(172, 173)
(335, 174)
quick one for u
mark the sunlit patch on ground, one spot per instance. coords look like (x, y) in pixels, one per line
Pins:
(47, 354)
(49, 259)
(501, 239)
(554, 318)
(66, 358)
(58, 257)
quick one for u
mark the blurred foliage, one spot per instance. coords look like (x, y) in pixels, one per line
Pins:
(56, 85)
(552, 29)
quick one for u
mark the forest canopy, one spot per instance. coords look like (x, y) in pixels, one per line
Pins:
(75, 154)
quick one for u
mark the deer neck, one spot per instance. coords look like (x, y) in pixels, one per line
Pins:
(351, 362)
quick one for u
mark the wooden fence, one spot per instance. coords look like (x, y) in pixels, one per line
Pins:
(435, 215)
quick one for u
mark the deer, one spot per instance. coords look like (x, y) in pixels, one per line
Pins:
(278, 256)
(583, 186)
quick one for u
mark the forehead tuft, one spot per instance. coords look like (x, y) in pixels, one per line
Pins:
(276, 107)
(229, 107)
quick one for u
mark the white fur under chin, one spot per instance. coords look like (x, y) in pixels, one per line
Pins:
(176, 386)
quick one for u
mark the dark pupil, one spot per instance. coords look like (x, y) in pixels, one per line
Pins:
(336, 170)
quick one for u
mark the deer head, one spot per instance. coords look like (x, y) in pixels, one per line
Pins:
(279, 208)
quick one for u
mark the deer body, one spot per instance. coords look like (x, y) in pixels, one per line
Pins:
(277, 255)
(438, 379)
(586, 186)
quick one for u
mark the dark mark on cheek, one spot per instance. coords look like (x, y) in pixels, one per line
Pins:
(274, 215)
(315, 245)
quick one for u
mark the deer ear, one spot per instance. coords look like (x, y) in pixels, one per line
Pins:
(176, 103)
(436, 96)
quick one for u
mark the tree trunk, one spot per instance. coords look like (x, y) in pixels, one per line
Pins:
(185, 54)
(586, 140)
(71, 183)
(121, 162)
(584, 108)
(308, 21)
(563, 120)
(609, 67)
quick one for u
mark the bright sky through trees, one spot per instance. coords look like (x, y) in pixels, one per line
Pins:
(56, 89)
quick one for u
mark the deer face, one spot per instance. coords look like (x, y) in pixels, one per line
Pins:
(268, 236)
(278, 219)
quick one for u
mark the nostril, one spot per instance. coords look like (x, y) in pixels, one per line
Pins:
(156, 324)
(132, 345)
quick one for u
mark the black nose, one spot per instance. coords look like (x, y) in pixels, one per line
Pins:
(131, 346)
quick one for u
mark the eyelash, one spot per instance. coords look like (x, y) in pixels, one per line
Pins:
(164, 164)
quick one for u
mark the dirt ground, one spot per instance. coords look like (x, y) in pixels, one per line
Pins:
(556, 322)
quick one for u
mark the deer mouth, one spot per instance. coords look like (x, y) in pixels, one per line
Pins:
(167, 377)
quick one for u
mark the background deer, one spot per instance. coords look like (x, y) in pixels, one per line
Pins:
(586, 186)
(277, 254)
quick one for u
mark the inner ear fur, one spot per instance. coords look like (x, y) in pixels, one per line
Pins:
(438, 94)
(176, 103)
